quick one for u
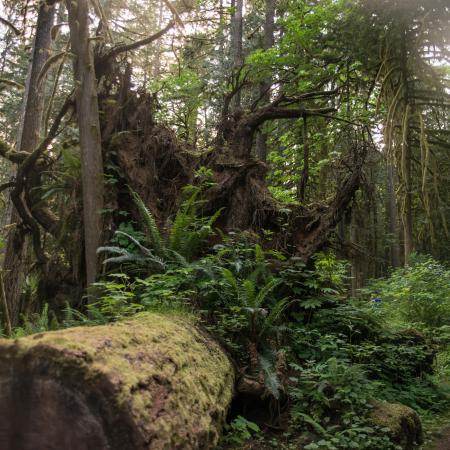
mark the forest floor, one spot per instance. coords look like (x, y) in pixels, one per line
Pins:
(438, 435)
(442, 441)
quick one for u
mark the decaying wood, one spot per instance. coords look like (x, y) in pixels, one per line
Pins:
(150, 383)
(157, 166)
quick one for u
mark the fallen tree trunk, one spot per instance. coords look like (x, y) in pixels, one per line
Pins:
(152, 382)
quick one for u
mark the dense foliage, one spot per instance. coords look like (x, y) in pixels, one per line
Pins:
(276, 170)
(324, 358)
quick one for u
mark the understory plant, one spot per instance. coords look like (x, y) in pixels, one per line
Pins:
(417, 294)
(153, 252)
(288, 326)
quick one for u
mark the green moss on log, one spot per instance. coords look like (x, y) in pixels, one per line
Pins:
(156, 379)
(403, 422)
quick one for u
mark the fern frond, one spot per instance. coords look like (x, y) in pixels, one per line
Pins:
(248, 289)
(123, 255)
(212, 219)
(43, 322)
(143, 249)
(182, 225)
(259, 254)
(112, 249)
(271, 380)
(123, 259)
(314, 424)
(178, 258)
(232, 281)
(153, 235)
(274, 314)
(264, 292)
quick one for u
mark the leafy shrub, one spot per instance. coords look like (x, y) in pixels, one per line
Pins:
(332, 403)
(152, 252)
(239, 431)
(331, 271)
(355, 322)
(36, 323)
(417, 294)
(312, 289)
(116, 299)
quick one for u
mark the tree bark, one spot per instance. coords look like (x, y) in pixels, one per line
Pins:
(407, 215)
(406, 155)
(152, 382)
(392, 217)
(16, 260)
(264, 88)
(236, 43)
(89, 129)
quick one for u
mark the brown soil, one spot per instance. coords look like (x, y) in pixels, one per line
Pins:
(443, 440)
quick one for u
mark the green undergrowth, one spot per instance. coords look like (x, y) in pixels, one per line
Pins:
(318, 359)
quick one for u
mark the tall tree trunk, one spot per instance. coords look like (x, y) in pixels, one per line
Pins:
(406, 156)
(407, 214)
(264, 88)
(89, 128)
(16, 260)
(391, 207)
(156, 60)
(236, 43)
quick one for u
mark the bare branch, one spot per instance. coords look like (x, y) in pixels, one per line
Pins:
(137, 44)
(273, 113)
(6, 22)
(6, 151)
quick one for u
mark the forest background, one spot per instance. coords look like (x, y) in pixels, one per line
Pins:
(254, 163)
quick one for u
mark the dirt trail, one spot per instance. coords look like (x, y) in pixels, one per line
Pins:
(442, 441)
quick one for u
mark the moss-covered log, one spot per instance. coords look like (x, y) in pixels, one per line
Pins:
(403, 423)
(152, 382)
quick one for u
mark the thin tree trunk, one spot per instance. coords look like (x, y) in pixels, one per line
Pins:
(16, 258)
(89, 128)
(264, 88)
(236, 42)
(156, 63)
(394, 250)
(407, 215)
(407, 158)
